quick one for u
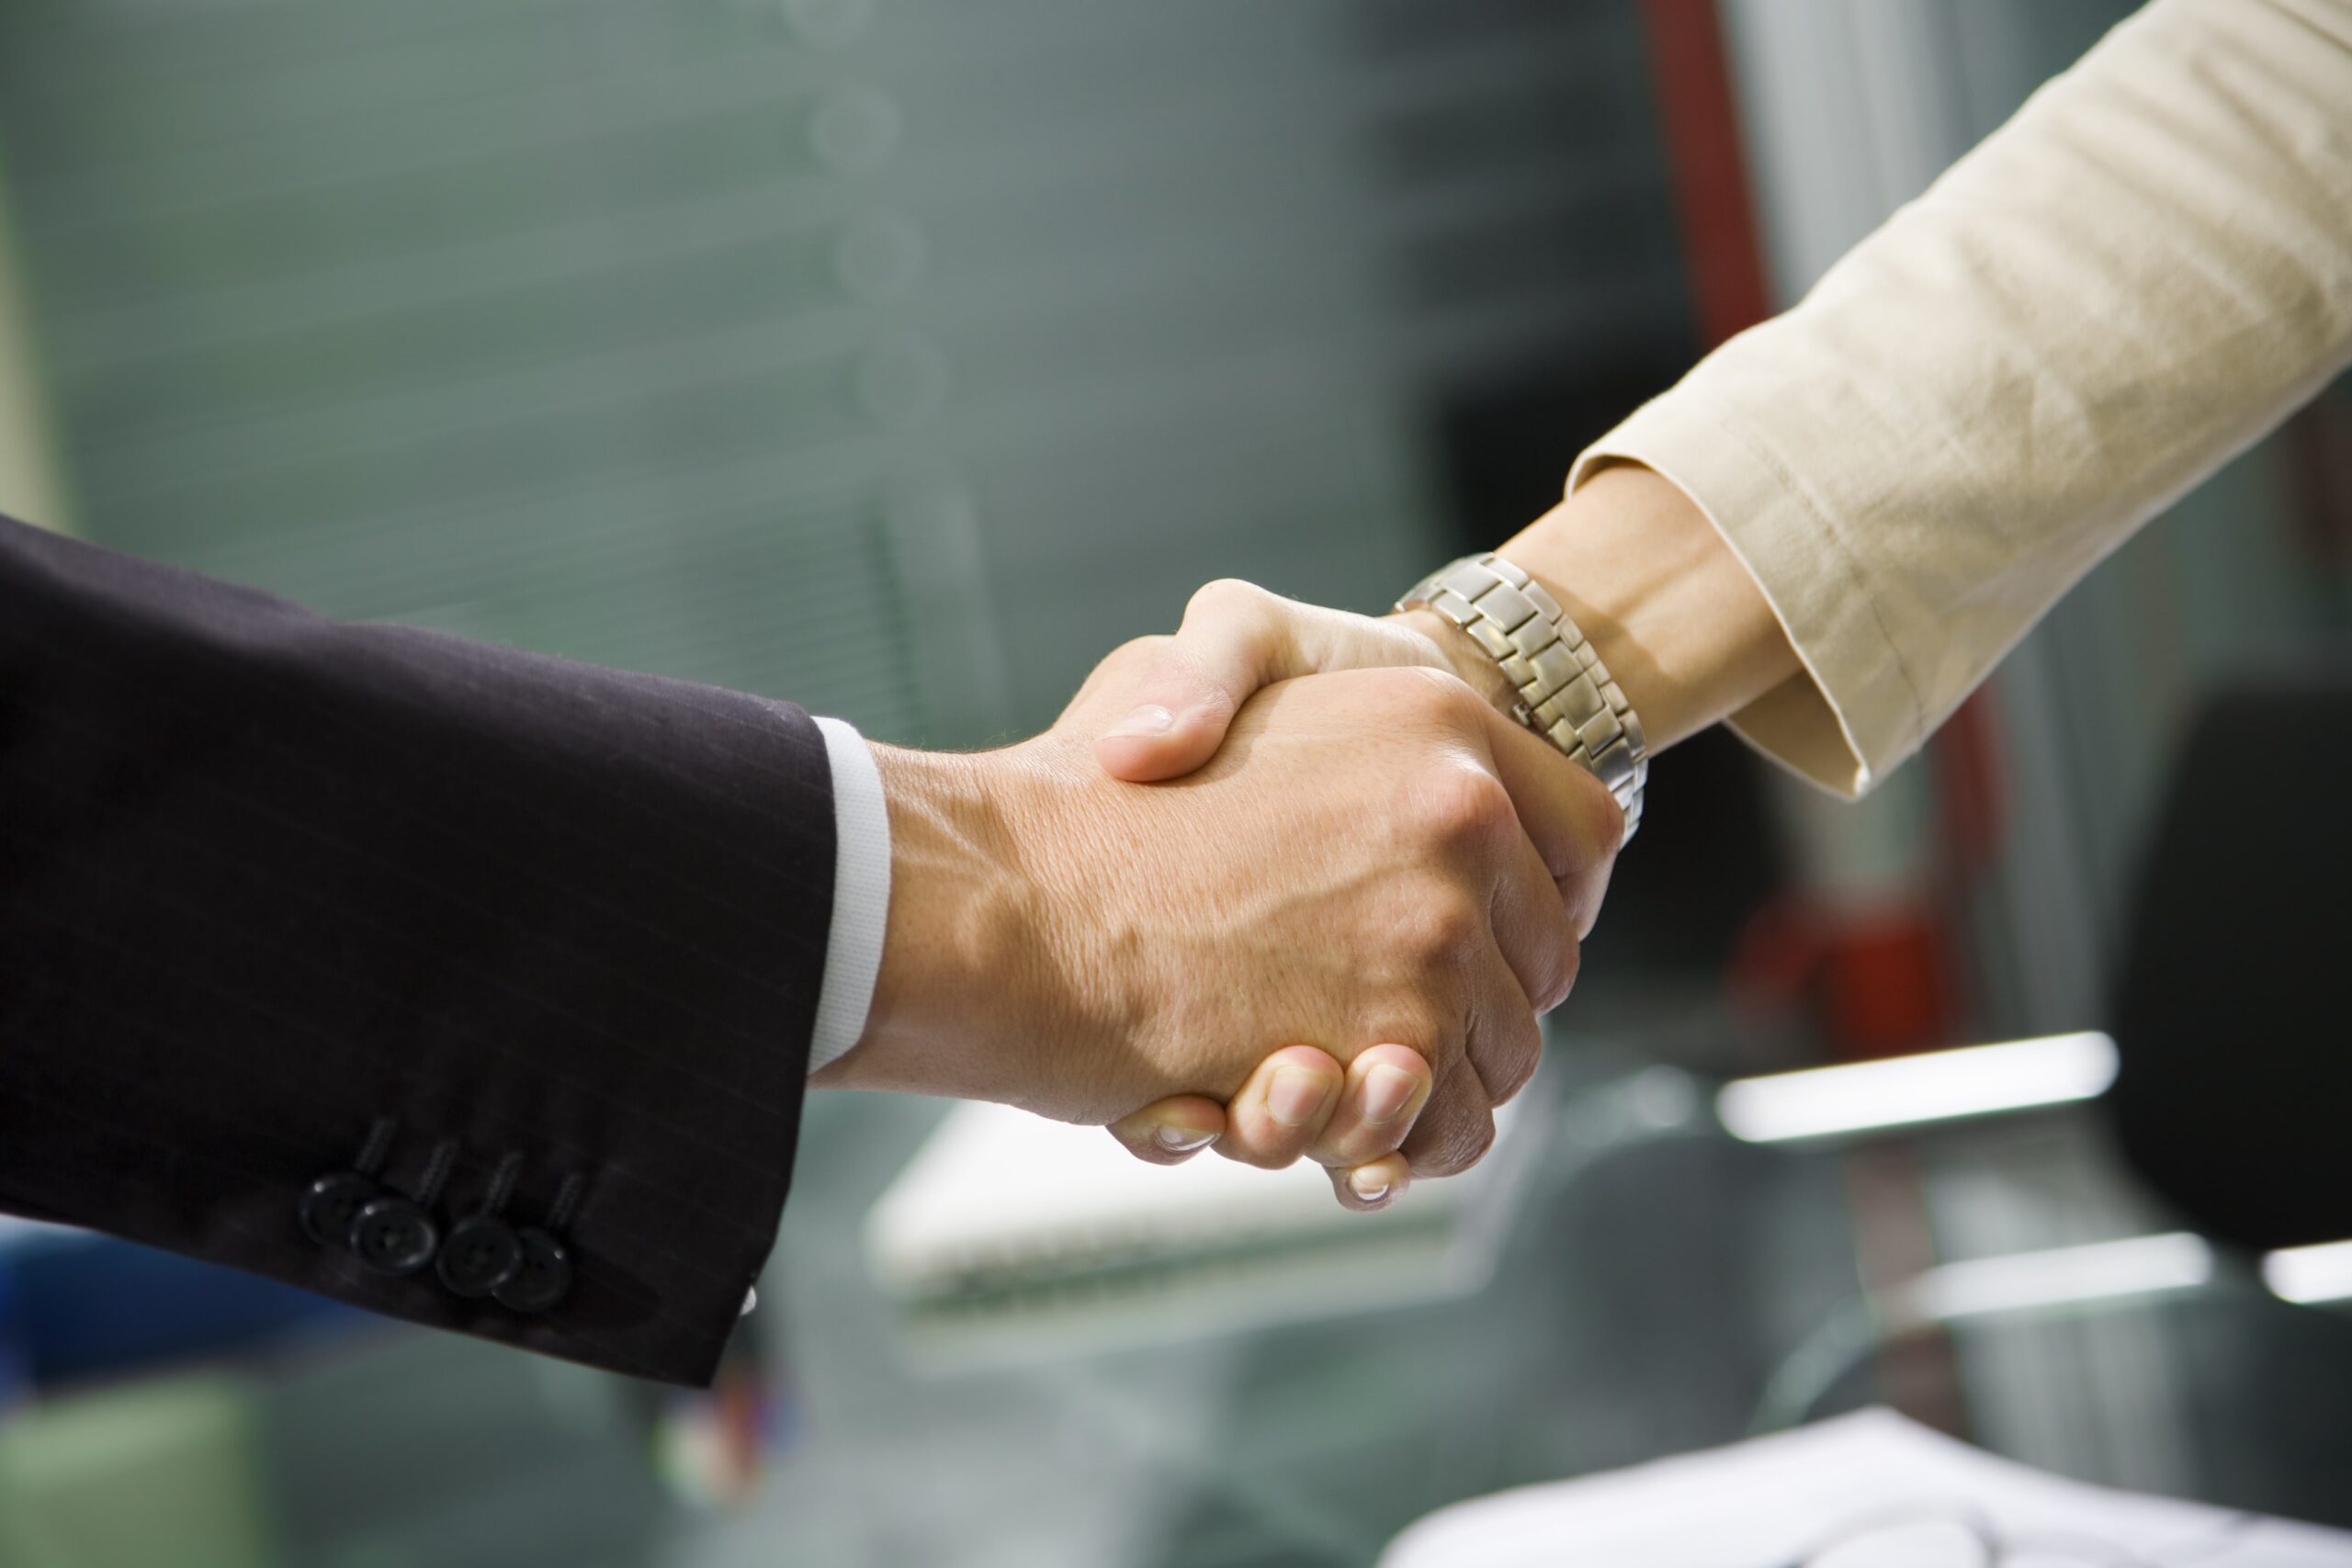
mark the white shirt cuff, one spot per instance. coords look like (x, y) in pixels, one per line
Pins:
(860, 893)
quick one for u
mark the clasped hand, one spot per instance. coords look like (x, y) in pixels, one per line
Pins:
(1326, 927)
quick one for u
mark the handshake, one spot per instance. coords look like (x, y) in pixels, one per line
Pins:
(1289, 883)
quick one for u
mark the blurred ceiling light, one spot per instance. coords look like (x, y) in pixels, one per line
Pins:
(2306, 1274)
(2141, 1266)
(1940, 1086)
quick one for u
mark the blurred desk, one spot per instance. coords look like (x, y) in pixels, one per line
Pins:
(1649, 1290)
(1653, 1278)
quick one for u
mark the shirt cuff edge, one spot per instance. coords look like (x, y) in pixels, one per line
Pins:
(861, 894)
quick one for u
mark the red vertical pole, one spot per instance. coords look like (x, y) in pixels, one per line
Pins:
(1700, 116)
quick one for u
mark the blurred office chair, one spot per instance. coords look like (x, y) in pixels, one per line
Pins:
(2234, 1097)
(2232, 1067)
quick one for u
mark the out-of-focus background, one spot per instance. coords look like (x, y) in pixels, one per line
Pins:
(900, 357)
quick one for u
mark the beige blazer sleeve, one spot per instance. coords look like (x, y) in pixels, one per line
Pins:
(2142, 272)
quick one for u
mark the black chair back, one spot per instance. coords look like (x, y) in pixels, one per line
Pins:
(2233, 1011)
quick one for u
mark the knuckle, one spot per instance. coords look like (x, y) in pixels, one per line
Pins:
(1464, 807)
(1439, 930)
(1223, 596)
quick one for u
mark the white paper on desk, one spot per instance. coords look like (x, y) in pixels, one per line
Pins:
(1776, 1501)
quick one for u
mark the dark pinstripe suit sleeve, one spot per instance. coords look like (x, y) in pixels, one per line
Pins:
(267, 877)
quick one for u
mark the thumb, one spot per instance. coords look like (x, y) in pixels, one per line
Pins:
(1236, 638)
(1170, 1131)
(1231, 643)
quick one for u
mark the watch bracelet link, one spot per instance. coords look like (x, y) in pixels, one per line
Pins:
(1565, 694)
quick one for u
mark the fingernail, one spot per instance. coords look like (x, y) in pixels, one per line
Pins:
(1295, 1096)
(1386, 1090)
(1368, 1188)
(1148, 719)
(1181, 1140)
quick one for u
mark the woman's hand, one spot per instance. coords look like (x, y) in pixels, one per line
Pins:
(1648, 580)
(1237, 637)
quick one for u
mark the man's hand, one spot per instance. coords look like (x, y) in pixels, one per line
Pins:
(1680, 620)
(1375, 859)
(1235, 639)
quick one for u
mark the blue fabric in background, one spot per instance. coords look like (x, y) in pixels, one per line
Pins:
(75, 1306)
(16, 1375)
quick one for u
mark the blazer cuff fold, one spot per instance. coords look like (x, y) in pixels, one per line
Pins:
(1854, 712)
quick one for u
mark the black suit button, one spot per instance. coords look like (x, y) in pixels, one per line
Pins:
(481, 1254)
(392, 1236)
(543, 1279)
(331, 1203)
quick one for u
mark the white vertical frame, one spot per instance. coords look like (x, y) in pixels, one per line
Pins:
(1852, 108)
(31, 485)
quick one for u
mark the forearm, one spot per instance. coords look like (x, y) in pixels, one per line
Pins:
(2147, 269)
(963, 965)
(1676, 617)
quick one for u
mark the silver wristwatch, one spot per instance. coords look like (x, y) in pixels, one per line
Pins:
(1564, 691)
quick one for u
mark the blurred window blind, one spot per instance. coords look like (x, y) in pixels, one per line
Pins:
(896, 356)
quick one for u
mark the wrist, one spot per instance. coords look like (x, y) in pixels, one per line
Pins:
(1668, 607)
(954, 913)
(1474, 664)
(980, 986)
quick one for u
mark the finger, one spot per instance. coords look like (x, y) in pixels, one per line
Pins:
(1372, 1186)
(1170, 1131)
(1533, 927)
(1456, 1127)
(1505, 1042)
(1282, 1108)
(1233, 640)
(1568, 814)
(1386, 1087)
(1236, 638)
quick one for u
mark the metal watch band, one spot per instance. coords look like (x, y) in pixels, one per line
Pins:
(1564, 691)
